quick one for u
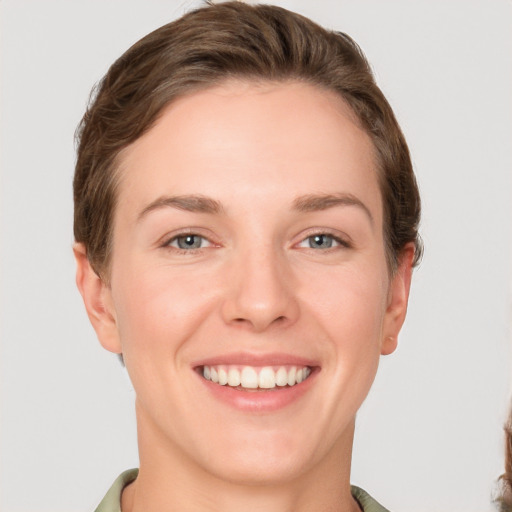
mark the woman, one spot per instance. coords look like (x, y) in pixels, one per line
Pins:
(246, 227)
(504, 501)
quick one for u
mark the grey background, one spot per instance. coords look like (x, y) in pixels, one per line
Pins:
(429, 436)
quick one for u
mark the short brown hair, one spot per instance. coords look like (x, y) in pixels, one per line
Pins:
(204, 48)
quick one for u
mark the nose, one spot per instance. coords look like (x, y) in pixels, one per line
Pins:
(260, 292)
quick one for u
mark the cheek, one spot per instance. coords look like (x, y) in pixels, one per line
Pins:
(350, 303)
(350, 309)
(158, 310)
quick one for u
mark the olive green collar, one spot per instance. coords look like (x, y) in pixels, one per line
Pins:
(112, 500)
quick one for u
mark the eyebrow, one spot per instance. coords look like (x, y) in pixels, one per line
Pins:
(319, 202)
(189, 203)
(305, 203)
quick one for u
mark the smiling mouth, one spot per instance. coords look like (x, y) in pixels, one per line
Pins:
(254, 378)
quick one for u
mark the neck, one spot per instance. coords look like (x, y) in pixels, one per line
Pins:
(169, 480)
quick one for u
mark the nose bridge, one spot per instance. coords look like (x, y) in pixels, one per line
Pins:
(260, 291)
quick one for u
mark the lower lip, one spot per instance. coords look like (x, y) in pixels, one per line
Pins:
(260, 400)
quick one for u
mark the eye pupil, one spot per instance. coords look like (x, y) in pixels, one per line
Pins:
(189, 242)
(320, 241)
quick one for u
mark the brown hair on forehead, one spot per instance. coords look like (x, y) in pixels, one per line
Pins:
(204, 48)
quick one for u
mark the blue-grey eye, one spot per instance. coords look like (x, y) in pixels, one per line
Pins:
(188, 242)
(320, 241)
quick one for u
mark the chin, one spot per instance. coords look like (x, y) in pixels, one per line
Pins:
(262, 469)
(263, 457)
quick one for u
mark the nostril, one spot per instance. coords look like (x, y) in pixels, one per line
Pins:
(247, 321)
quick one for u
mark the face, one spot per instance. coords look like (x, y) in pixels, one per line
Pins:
(249, 291)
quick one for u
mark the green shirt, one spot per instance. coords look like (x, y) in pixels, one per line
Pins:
(112, 501)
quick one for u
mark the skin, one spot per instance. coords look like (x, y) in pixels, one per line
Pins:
(255, 286)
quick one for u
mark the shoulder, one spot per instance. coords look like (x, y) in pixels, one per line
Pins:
(112, 500)
(366, 502)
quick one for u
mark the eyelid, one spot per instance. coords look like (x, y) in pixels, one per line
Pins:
(342, 239)
(168, 238)
(176, 238)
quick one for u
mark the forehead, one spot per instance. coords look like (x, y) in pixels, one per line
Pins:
(258, 139)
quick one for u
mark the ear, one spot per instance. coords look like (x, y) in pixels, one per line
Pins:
(398, 297)
(98, 302)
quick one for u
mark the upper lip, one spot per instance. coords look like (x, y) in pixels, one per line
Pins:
(254, 359)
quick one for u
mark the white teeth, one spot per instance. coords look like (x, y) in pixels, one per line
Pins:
(291, 376)
(281, 377)
(223, 376)
(233, 377)
(250, 377)
(267, 378)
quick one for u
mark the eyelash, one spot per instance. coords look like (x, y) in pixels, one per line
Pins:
(168, 244)
(343, 243)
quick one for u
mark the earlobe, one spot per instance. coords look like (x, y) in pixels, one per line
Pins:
(388, 345)
(97, 300)
(397, 302)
